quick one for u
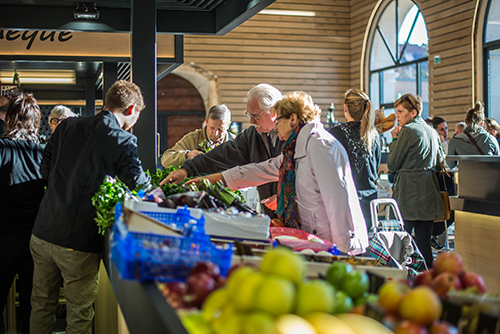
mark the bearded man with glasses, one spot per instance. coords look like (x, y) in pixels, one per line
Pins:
(257, 143)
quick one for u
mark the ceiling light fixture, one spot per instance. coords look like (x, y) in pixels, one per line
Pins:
(86, 11)
(287, 12)
(39, 76)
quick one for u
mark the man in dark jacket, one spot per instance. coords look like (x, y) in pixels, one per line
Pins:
(257, 143)
(65, 244)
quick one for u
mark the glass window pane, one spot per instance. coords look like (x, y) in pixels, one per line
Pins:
(387, 25)
(494, 81)
(374, 90)
(417, 44)
(424, 89)
(399, 81)
(493, 23)
(380, 57)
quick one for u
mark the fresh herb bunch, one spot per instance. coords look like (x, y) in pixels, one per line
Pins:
(110, 192)
(205, 146)
(160, 175)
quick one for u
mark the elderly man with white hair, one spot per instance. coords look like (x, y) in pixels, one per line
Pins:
(58, 114)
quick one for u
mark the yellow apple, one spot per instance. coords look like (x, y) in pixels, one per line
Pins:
(283, 262)
(275, 295)
(314, 296)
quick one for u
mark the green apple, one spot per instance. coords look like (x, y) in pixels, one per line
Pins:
(354, 283)
(343, 303)
(283, 262)
(275, 295)
(245, 292)
(258, 322)
(314, 296)
(336, 271)
(213, 304)
(195, 324)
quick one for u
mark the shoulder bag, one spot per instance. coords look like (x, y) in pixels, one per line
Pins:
(474, 142)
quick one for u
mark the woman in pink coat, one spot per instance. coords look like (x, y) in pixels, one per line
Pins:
(316, 192)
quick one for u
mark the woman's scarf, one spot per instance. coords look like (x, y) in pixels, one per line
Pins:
(286, 184)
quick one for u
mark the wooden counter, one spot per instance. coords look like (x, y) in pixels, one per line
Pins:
(477, 216)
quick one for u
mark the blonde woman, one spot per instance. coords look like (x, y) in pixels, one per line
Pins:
(414, 157)
(362, 143)
(316, 192)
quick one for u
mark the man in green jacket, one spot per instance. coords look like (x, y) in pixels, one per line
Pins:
(202, 140)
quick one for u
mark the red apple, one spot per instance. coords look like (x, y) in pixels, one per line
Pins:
(409, 327)
(443, 327)
(199, 285)
(424, 278)
(174, 293)
(471, 279)
(448, 261)
(443, 282)
(209, 268)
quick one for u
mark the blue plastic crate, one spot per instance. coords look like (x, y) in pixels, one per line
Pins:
(141, 256)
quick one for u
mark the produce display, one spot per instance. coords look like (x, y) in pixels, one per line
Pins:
(276, 298)
(169, 195)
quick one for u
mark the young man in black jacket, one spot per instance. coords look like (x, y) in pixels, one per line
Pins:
(65, 244)
(257, 143)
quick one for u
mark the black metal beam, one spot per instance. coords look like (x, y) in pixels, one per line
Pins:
(143, 65)
(89, 96)
(224, 18)
(110, 73)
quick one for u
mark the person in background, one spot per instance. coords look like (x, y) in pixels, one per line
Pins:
(446, 183)
(202, 140)
(58, 114)
(492, 127)
(414, 156)
(65, 244)
(316, 192)
(459, 128)
(21, 191)
(474, 140)
(362, 143)
(4, 103)
(257, 143)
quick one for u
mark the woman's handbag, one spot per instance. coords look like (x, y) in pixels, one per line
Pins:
(445, 196)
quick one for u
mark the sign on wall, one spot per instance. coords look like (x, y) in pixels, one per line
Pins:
(82, 44)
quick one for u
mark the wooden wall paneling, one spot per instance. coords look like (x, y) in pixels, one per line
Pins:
(291, 53)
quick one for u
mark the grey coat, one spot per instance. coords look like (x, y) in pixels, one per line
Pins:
(414, 157)
(461, 144)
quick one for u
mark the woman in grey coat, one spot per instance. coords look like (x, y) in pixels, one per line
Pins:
(414, 157)
(475, 140)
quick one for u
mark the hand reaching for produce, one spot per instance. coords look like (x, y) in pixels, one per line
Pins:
(177, 176)
(271, 202)
(211, 178)
(193, 153)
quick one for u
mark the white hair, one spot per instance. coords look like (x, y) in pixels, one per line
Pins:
(60, 111)
(265, 95)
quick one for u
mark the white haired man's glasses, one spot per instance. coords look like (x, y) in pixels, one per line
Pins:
(255, 117)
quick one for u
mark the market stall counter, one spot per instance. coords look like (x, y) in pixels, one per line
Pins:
(141, 303)
(477, 215)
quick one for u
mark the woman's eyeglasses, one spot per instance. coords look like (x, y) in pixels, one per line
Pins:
(277, 119)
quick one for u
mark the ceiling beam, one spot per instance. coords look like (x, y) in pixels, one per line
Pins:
(225, 17)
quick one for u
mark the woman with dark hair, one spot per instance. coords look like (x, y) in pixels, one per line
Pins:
(414, 157)
(475, 140)
(362, 143)
(21, 191)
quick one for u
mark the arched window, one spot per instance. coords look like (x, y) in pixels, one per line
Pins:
(398, 55)
(492, 59)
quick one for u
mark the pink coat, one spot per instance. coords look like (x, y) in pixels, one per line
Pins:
(327, 201)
